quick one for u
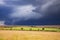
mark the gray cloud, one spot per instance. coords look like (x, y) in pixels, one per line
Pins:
(32, 9)
(49, 8)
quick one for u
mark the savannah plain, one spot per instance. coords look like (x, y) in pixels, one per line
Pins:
(28, 35)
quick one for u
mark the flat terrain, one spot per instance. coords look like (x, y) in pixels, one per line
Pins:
(28, 35)
(51, 29)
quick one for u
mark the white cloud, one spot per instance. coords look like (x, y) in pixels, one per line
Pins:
(8, 2)
(2, 2)
(20, 12)
(25, 12)
(2, 22)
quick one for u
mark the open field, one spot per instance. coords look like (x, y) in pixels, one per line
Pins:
(52, 29)
(28, 35)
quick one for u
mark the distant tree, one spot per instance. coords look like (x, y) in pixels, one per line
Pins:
(21, 28)
(10, 28)
(42, 28)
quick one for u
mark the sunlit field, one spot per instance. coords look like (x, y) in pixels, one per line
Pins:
(29, 28)
(28, 35)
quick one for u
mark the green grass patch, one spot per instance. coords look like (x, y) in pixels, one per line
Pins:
(31, 29)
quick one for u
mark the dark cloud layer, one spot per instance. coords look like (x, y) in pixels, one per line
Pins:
(49, 11)
(4, 12)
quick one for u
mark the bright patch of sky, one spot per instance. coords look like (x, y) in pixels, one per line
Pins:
(25, 11)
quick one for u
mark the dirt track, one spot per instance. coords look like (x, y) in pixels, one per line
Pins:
(29, 35)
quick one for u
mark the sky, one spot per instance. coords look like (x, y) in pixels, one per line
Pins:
(30, 12)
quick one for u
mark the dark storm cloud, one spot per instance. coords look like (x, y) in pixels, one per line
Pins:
(20, 2)
(15, 2)
(50, 8)
(22, 9)
(30, 12)
(4, 12)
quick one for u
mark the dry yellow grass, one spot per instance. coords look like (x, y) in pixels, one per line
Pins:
(29, 35)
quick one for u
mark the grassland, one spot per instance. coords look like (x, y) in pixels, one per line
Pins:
(28, 35)
(31, 29)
